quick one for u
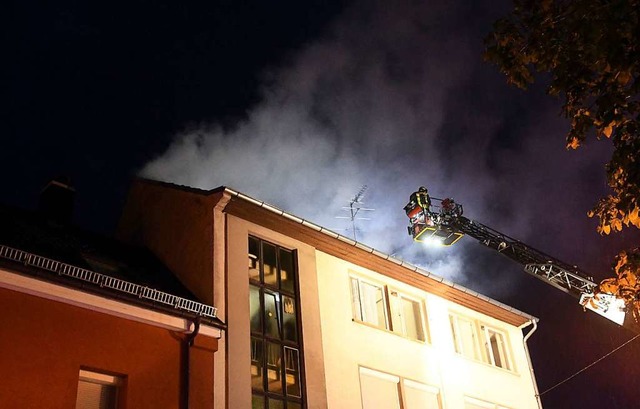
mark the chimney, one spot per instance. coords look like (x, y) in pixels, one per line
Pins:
(56, 200)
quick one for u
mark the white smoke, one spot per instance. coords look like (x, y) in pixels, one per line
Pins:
(394, 96)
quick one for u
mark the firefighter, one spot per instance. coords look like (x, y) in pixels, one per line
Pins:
(421, 198)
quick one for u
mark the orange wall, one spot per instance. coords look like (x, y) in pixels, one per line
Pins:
(43, 345)
(177, 226)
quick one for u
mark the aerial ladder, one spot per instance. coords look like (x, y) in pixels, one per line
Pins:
(442, 222)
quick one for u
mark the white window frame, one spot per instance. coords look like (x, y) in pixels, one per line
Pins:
(359, 313)
(401, 385)
(394, 324)
(395, 298)
(454, 319)
(483, 351)
(503, 346)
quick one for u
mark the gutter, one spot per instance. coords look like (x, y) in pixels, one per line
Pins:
(526, 349)
(377, 253)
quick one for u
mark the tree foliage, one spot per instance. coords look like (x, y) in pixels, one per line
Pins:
(590, 49)
(626, 283)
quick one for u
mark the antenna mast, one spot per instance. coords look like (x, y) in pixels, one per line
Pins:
(355, 206)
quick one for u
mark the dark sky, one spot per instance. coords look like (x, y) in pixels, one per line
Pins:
(300, 104)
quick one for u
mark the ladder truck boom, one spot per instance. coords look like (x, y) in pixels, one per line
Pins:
(442, 222)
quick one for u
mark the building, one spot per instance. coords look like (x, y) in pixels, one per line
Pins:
(317, 320)
(90, 322)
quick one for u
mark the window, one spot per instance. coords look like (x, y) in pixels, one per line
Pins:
(276, 353)
(465, 337)
(469, 335)
(406, 316)
(369, 303)
(97, 390)
(496, 347)
(385, 308)
(381, 390)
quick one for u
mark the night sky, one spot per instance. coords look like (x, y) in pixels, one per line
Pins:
(300, 104)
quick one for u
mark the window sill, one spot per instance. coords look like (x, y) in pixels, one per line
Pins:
(386, 331)
(486, 364)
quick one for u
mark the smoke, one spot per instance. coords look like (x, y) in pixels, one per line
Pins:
(395, 95)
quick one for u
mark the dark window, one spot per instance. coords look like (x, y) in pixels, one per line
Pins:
(276, 352)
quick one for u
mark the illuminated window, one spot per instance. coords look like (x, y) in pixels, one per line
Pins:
(382, 390)
(496, 347)
(97, 390)
(369, 303)
(276, 355)
(469, 335)
(385, 308)
(406, 316)
(465, 336)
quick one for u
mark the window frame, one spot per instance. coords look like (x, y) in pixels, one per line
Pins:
(482, 341)
(401, 383)
(262, 339)
(421, 320)
(117, 382)
(390, 295)
(505, 345)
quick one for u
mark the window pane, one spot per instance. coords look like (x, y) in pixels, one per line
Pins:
(496, 349)
(292, 371)
(271, 315)
(287, 272)
(412, 319)
(378, 391)
(257, 402)
(420, 396)
(465, 337)
(95, 396)
(257, 364)
(274, 368)
(254, 309)
(276, 404)
(290, 328)
(407, 317)
(355, 299)
(293, 405)
(270, 264)
(373, 305)
(254, 259)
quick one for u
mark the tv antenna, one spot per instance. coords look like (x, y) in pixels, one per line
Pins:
(355, 207)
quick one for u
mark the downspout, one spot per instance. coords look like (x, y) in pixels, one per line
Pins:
(526, 349)
(186, 375)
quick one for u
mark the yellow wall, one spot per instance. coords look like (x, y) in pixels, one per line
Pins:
(348, 344)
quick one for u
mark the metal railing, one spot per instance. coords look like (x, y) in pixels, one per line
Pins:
(105, 281)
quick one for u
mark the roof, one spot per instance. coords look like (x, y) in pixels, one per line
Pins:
(345, 248)
(31, 243)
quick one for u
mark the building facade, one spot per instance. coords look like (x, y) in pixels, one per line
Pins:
(88, 322)
(316, 320)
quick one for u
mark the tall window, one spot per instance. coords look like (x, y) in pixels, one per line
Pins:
(496, 347)
(97, 390)
(382, 390)
(470, 335)
(386, 308)
(276, 354)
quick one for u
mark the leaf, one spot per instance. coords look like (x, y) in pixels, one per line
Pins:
(607, 131)
(573, 143)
